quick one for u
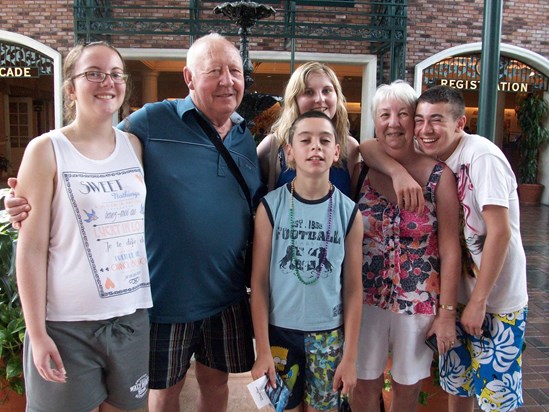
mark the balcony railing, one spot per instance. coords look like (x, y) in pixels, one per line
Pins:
(373, 27)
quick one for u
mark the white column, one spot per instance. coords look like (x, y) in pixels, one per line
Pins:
(368, 91)
(543, 163)
(149, 87)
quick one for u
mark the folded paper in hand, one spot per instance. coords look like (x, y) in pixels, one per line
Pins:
(257, 390)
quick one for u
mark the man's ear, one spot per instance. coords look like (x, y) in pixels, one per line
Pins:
(461, 122)
(188, 77)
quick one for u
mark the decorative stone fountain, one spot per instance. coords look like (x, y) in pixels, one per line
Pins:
(246, 14)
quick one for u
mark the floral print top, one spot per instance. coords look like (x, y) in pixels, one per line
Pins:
(401, 266)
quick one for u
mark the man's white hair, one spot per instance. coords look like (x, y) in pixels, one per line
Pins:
(194, 54)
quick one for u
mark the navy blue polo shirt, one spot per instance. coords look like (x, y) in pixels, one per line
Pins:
(196, 215)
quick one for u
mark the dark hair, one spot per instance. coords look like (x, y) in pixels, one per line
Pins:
(445, 94)
(312, 114)
(68, 73)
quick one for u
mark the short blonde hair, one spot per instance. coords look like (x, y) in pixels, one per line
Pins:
(397, 90)
(290, 111)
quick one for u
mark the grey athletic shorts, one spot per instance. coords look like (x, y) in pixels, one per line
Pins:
(105, 361)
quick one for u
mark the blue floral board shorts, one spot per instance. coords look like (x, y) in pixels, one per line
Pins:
(490, 366)
(307, 362)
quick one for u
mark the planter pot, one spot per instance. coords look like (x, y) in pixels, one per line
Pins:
(530, 194)
(11, 401)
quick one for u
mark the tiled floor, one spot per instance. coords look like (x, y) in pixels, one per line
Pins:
(535, 237)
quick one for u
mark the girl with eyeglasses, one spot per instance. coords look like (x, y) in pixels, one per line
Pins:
(81, 261)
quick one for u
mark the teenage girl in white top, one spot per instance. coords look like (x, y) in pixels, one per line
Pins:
(81, 262)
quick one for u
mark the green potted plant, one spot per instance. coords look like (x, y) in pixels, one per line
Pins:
(4, 167)
(12, 324)
(4, 164)
(530, 115)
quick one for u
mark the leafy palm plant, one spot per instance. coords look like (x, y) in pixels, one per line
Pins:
(4, 164)
(530, 114)
(12, 324)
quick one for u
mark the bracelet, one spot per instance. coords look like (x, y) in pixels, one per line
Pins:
(451, 308)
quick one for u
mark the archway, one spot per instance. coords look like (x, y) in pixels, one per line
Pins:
(30, 93)
(528, 57)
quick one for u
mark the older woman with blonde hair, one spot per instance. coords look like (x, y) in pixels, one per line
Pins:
(411, 261)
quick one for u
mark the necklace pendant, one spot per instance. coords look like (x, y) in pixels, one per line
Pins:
(324, 253)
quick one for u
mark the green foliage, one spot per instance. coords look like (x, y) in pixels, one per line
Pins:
(387, 383)
(530, 115)
(12, 324)
(423, 397)
(4, 164)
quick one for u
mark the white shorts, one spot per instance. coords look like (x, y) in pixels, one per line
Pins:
(382, 331)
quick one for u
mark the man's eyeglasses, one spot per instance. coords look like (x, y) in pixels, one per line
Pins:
(99, 77)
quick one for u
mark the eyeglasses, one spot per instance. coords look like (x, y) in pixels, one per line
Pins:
(99, 77)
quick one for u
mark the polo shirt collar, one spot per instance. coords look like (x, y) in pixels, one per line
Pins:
(186, 104)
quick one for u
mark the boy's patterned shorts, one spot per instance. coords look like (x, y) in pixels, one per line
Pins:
(489, 367)
(307, 362)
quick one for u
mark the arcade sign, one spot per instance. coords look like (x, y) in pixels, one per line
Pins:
(19, 72)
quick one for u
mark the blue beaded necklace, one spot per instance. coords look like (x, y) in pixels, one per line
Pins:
(292, 240)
